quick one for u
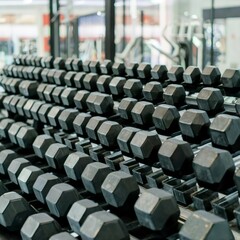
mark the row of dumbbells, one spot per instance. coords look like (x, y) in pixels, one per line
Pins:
(193, 124)
(188, 129)
(209, 99)
(119, 189)
(186, 148)
(94, 81)
(210, 76)
(144, 146)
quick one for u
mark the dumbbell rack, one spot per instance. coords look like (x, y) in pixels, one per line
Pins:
(50, 83)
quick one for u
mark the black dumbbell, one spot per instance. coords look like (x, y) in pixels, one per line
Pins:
(194, 125)
(218, 227)
(39, 226)
(170, 162)
(143, 145)
(153, 92)
(224, 132)
(14, 210)
(150, 210)
(79, 212)
(166, 119)
(214, 169)
(105, 223)
(120, 190)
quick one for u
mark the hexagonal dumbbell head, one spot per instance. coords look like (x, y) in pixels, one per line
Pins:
(54, 114)
(194, 125)
(28, 88)
(59, 77)
(170, 162)
(5, 124)
(57, 196)
(61, 236)
(69, 78)
(211, 76)
(214, 168)
(118, 69)
(151, 206)
(6, 157)
(56, 155)
(95, 67)
(67, 96)
(85, 66)
(92, 127)
(144, 71)
(125, 108)
(225, 133)
(209, 226)
(108, 132)
(26, 136)
(80, 123)
(106, 67)
(103, 104)
(165, 118)
(153, 92)
(68, 64)
(13, 130)
(133, 88)
(27, 178)
(43, 112)
(47, 62)
(175, 74)
(94, 175)
(80, 99)
(90, 81)
(66, 119)
(39, 226)
(59, 63)
(43, 184)
(79, 212)
(210, 100)
(14, 210)
(231, 78)
(15, 167)
(120, 189)
(90, 101)
(159, 72)
(124, 138)
(103, 83)
(101, 225)
(56, 94)
(142, 113)
(78, 79)
(145, 145)
(116, 86)
(41, 144)
(77, 65)
(192, 75)
(75, 164)
(131, 69)
(3, 188)
(174, 95)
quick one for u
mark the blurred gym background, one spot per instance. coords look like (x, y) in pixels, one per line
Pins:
(185, 32)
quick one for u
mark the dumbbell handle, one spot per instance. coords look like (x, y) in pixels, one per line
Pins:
(229, 102)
